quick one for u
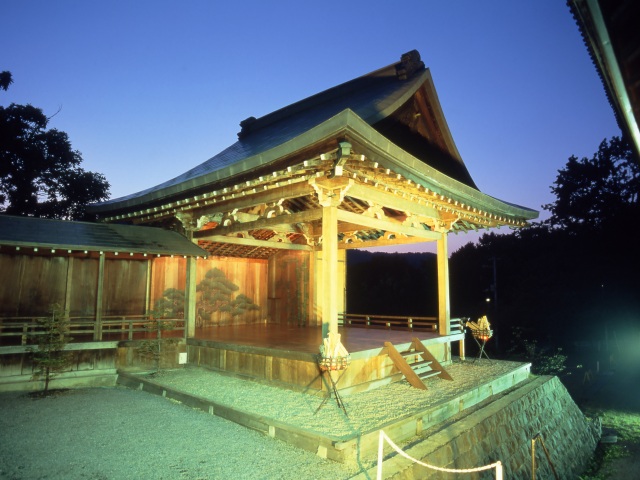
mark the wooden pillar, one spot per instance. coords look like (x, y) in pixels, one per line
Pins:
(68, 287)
(147, 294)
(190, 299)
(329, 270)
(97, 332)
(444, 313)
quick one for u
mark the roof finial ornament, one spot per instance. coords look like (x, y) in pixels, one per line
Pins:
(245, 126)
(409, 63)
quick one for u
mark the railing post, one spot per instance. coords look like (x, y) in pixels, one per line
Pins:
(533, 458)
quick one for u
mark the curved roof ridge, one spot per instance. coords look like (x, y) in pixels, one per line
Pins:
(408, 65)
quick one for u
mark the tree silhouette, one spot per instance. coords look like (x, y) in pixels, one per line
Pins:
(6, 79)
(563, 279)
(591, 192)
(40, 173)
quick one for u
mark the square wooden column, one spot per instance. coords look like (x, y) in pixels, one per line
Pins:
(97, 332)
(444, 313)
(330, 284)
(190, 299)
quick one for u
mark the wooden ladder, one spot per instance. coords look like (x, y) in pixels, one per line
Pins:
(417, 363)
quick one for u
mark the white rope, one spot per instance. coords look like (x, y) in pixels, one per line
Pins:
(383, 436)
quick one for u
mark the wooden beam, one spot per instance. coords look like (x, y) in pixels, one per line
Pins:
(252, 242)
(382, 242)
(378, 196)
(386, 225)
(272, 195)
(263, 223)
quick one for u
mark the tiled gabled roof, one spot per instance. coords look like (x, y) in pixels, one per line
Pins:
(372, 97)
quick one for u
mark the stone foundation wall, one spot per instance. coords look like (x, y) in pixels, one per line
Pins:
(502, 430)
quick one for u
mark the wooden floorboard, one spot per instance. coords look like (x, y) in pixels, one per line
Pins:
(306, 339)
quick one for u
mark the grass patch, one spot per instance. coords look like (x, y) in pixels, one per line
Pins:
(626, 425)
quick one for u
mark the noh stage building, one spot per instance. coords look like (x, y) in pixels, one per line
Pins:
(368, 163)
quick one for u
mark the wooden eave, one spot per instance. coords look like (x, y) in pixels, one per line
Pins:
(370, 144)
(392, 198)
(611, 34)
(40, 236)
(380, 98)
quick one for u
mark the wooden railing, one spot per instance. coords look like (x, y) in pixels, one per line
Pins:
(24, 330)
(398, 323)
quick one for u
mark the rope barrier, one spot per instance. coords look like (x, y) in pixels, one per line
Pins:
(383, 436)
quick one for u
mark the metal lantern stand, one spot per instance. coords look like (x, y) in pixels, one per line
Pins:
(328, 365)
(482, 337)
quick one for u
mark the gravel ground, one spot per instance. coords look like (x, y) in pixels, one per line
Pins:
(366, 410)
(117, 433)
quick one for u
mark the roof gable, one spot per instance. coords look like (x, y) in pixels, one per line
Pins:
(386, 98)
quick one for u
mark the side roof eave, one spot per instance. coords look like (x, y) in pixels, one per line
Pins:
(393, 157)
(94, 237)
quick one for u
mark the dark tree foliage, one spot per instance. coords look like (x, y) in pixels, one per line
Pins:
(593, 192)
(391, 283)
(40, 173)
(561, 280)
(6, 79)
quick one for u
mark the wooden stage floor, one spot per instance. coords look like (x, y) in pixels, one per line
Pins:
(306, 339)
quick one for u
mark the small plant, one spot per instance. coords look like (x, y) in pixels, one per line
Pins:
(544, 360)
(167, 309)
(50, 357)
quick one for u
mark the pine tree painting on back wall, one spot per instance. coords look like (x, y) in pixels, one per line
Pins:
(216, 302)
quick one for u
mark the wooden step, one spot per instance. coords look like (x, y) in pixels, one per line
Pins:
(417, 363)
(431, 373)
(421, 367)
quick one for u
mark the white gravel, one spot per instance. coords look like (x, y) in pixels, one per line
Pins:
(366, 410)
(117, 433)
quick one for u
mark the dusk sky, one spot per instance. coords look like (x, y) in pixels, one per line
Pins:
(149, 89)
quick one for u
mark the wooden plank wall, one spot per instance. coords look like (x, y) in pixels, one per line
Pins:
(31, 284)
(84, 282)
(290, 288)
(124, 291)
(249, 275)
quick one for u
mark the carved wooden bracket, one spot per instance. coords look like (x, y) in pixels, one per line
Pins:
(331, 191)
(189, 224)
(342, 155)
(375, 211)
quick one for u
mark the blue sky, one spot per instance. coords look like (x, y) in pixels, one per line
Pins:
(149, 89)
